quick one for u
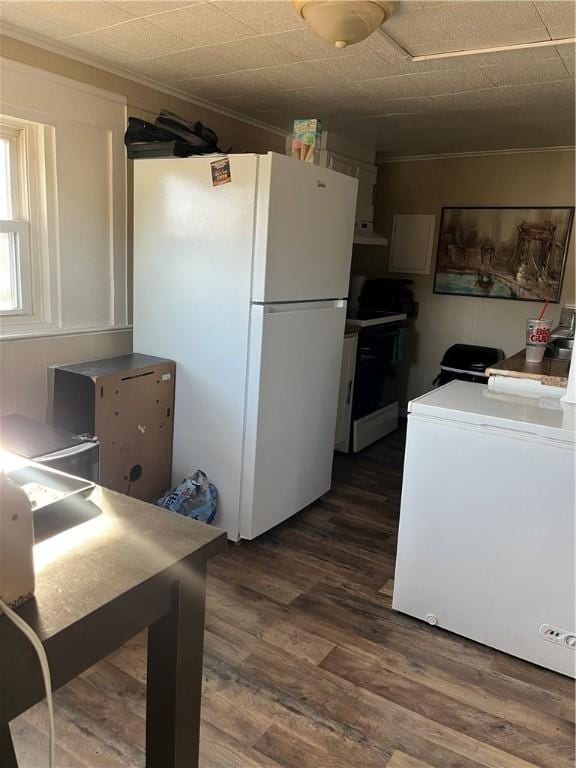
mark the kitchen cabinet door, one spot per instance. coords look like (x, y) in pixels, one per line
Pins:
(342, 437)
(342, 164)
(412, 244)
(366, 175)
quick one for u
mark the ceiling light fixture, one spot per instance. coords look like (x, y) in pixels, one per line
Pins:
(344, 22)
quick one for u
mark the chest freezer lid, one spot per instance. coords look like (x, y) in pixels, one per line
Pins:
(477, 405)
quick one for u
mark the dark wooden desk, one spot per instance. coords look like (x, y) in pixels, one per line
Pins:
(129, 567)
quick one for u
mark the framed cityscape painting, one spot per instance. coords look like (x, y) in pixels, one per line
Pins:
(503, 253)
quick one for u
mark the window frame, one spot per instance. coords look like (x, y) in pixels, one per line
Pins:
(18, 224)
(33, 190)
(20, 268)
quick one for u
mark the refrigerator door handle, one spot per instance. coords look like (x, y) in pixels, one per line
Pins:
(303, 306)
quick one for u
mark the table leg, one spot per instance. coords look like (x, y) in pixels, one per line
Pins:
(174, 683)
(7, 753)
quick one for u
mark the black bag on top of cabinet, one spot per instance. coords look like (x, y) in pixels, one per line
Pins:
(196, 133)
(169, 136)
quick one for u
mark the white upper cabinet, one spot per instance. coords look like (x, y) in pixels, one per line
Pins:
(340, 163)
(412, 243)
(366, 175)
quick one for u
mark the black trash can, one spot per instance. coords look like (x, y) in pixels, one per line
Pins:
(467, 362)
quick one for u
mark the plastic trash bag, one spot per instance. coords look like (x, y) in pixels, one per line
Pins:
(195, 497)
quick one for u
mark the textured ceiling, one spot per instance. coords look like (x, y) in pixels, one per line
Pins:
(259, 59)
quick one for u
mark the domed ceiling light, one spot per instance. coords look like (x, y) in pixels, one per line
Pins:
(344, 22)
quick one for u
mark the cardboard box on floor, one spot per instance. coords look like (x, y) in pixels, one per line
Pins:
(128, 403)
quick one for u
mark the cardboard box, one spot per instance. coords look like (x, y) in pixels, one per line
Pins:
(306, 138)
(128, 403)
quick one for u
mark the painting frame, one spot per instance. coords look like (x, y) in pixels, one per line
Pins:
(518, 291)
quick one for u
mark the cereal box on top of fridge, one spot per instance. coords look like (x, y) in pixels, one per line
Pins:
(306, 139)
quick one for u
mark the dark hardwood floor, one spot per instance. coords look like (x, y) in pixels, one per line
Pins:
(307, 666)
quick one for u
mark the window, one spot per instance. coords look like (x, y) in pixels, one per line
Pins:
(15, 273)
(63, 250)
(26, 260)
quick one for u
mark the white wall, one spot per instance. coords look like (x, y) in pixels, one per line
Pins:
(425, 186)
(23, 363)
(81, 245)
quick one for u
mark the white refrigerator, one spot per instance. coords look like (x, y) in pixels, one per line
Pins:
(486, 539)
(244, 285)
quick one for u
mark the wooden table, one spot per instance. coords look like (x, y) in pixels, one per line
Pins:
(129, 566)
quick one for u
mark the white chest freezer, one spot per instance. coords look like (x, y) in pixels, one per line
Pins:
(486, 540)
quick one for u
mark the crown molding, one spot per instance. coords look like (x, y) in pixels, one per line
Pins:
(62, 50)
(52, 78)
(480, 153)
(13, 32)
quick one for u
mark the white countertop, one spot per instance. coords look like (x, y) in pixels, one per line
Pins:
(480, 406)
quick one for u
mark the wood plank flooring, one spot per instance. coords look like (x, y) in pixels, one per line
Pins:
(307, 666)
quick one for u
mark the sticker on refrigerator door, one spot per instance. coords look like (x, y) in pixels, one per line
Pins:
(220, 172)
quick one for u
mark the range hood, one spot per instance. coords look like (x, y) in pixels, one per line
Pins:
(365, 235)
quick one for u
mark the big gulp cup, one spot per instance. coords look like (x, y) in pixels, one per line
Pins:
(537, 337)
